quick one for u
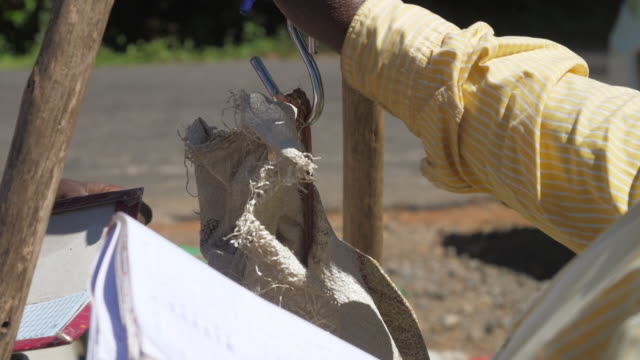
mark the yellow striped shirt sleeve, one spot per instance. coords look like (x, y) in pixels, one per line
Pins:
(515, 117)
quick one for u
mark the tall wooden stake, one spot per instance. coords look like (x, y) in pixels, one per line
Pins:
(47, 117)
(363, 172)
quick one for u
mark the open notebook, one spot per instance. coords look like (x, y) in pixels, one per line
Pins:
(57, 310)
(151, 300)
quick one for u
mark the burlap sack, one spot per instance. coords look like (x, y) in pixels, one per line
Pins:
(251, 207)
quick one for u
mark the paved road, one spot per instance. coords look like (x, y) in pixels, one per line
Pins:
(128, 131)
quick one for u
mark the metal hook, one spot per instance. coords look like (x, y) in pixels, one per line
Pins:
(306, 49)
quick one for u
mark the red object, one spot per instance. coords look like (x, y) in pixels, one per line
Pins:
(71, 332)
(127, 201)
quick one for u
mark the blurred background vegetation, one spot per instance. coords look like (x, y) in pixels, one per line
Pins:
(142, 31)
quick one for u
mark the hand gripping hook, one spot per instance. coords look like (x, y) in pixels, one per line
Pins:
(306, 49)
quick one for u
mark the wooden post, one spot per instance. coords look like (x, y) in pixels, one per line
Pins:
(363, 172)
(48, 113)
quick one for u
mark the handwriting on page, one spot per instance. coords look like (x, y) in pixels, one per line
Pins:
(186, 310)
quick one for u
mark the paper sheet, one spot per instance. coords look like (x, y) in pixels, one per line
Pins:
(107, 336)
(180, 308)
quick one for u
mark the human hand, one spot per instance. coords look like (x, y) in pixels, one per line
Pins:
(326, 20)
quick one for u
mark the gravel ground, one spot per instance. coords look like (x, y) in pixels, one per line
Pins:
(468, 271)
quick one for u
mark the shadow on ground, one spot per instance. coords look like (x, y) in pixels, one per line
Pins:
(527, 251)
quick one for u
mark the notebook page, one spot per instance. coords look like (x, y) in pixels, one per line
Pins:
(183, 309)
(107, 337)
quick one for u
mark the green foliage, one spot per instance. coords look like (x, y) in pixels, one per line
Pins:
(18, 17)
(21, 24)
(170, 50)
(10, 60)
(633, 7)
(193, 251)
(404, 293)
(568, 22)
(208, 30)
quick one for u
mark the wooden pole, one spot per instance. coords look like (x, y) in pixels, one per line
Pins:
(363, 172)
(48, 113)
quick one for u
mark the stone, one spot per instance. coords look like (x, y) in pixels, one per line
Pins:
(489, 327)
(450, 320)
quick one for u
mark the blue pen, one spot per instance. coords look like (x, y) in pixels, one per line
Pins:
(245, 9)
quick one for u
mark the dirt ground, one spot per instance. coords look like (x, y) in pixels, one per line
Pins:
(468, 271)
